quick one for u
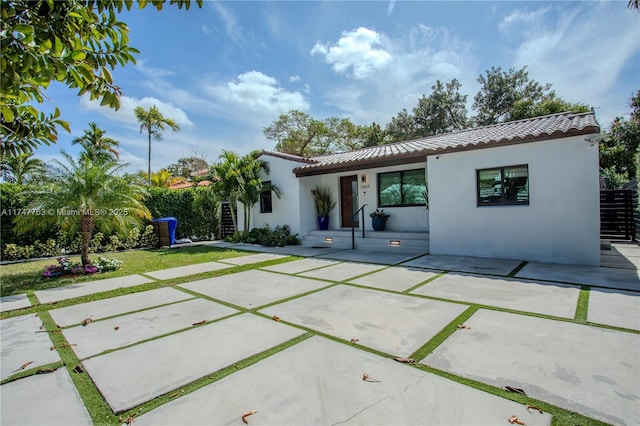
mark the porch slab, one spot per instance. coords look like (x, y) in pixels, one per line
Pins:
(391, 323)
(13, 302)
(183, 271)
(626, 279)
(610, 260)
(342, 271)
(22, 343)
(75, 314)
(126, 330)
(383, 257)
(298, 266)
(77, 290)
(55, 391)
(614, 307)
(569, 365)
(306, 251)
(253, 288)
(478, 265)
(397, 278)
(252, 258)
(335, 393)
(560, 300)
(156, 367)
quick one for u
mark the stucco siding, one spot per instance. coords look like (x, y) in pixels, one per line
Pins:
(560, 224)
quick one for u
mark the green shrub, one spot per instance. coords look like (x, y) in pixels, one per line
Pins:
(265, 236)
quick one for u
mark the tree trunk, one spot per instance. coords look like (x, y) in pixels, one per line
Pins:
(86, 229)
(149, 162)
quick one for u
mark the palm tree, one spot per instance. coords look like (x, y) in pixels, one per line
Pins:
(154, 123)
(87, 195)
(225, 177)
(96, 145)
(161, 178)
(252, 185)
(22, 168)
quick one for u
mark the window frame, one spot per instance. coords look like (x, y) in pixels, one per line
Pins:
(264, 196)
(502, 201)
(402, 173)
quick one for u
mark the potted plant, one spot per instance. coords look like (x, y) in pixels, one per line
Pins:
(379, 219)
(324, 204)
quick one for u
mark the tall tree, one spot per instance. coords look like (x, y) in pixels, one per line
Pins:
(402, 127)
(550, 104)
(75, 42)
(620, 148)
(186, 166)
(372, 135)
(443, 111)
(96, 145)
(22, 168)
(85, 196)
(502, 90)
(154, 123)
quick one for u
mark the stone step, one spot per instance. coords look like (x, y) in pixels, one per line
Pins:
(373, 240)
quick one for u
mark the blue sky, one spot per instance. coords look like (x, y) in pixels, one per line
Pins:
(227, 70)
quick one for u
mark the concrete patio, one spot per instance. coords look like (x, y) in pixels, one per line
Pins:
(295, 340)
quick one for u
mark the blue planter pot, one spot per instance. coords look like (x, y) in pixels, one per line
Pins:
(378, 223)
(323, 223)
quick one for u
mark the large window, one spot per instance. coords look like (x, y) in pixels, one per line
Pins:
(503, 186)
(404, 188)
(265, 199)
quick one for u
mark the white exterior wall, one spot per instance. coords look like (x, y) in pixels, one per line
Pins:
(285, 209)
(402, 218)
(561, 224)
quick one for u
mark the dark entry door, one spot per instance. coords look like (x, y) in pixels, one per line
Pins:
(349, 200)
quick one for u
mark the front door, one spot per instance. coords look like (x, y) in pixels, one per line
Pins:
(349, 200)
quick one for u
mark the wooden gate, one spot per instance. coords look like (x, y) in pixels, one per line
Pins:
(616, 214)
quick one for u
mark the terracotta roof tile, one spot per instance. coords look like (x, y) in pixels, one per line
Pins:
(529, 130)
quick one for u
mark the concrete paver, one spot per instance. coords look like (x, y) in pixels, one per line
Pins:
(21, 343)
(392, 323)
(342, 271)
(627, 279)
(131, 376)
(396, 278)
(553, 299)
(477, 265)
(609, 260)
(100, 336)
(287, 250)
(13, 302)
(614, 307)
(21, 399)
(252, 258)
(75, 314)
(76, 290)
(298, 266)
(569, 365)
(382, 257)
(182, 271)
(320, 382)
(253, 288)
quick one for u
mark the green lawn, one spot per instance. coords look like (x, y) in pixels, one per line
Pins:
(26, 277)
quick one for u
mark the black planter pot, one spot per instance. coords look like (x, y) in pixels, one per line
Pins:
(323, 223)
(378, 223)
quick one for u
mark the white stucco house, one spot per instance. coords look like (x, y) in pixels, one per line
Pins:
(526, 190)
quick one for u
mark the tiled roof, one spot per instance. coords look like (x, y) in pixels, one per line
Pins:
(513, 132)
(290, 157)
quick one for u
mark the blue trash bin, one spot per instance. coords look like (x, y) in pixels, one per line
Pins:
(166, 230)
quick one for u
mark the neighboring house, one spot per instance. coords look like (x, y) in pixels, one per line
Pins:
(525, 189)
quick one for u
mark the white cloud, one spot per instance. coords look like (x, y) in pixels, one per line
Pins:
(294, 78)
(125, 114)
(360, 51)
(256, 92)
(418, 58)
(580, 49)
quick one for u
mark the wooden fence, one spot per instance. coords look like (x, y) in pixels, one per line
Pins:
(618, 214)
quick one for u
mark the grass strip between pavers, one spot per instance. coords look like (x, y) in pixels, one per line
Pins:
(582, 308)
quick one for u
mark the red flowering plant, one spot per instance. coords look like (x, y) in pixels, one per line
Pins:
(65, 266)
